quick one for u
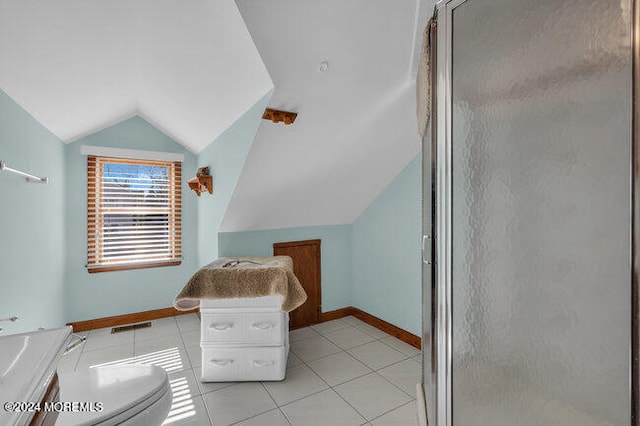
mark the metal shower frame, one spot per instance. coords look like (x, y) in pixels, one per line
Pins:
(441, 182)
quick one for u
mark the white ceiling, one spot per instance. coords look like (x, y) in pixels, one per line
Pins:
(356, 128)
(78, 66)
(192, 69)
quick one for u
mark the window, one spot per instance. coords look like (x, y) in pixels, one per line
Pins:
(133, 214)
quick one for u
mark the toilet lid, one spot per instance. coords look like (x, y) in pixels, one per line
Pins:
(119, 388)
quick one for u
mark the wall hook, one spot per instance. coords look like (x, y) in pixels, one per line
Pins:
(203, 182)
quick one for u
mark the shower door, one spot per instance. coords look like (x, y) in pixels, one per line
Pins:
(534, 213)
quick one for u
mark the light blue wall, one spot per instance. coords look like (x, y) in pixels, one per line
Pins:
(31, 223)
(225, 157)
(335, 255)
(114, 293)
(372, 264)
(386, 253)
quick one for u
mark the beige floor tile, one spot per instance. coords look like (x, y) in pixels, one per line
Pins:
(191, 338)
(403, 416)
(188, 322)
(404, 375)
(184, 382)
(293, 360)
(401, 346)
(102, 338)
(313, 348)
(322, 409)
(383, 399)
(164, 351)
(195, 355)
(372, 331)
(238, 402)
(349, 337)
(154, 344)
(300, 382)
(351, 320)
(301, 334)
(339, 368)
(326, 327)
(270, 418)
(206, 387)
(372, 395)
(159, 327)
(377, 355)
(122, 354)
(189, 411)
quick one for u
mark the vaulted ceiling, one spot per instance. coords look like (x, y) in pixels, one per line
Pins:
(192, 68)
(356, 126)
(78, 66)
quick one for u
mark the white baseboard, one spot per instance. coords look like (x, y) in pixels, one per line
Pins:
(421, 405)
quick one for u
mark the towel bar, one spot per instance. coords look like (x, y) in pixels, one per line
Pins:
(28, 176)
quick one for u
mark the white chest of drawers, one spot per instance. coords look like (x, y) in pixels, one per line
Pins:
(243, 339)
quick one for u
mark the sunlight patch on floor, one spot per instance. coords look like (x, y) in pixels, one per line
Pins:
(169, 359)
(182, 405)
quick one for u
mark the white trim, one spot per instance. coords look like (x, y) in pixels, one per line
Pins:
(134, 154)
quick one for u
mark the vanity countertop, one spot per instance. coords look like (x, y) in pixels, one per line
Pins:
(28, 364)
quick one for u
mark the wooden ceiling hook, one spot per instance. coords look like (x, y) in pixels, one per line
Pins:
(203, 182)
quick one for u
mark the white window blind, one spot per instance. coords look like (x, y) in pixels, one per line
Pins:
(133, 214)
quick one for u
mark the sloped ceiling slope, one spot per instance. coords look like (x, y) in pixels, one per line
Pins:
(78, 66)
(356, 127)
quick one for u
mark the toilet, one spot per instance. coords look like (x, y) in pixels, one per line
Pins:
(131, 394)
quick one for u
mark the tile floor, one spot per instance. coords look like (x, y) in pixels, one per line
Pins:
(341, 372)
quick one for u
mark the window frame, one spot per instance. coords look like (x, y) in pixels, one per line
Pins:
(96, 212)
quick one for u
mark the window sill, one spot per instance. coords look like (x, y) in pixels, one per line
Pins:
(113, 268)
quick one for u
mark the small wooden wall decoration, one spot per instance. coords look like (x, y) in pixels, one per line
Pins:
(278, 116)
(203, 182)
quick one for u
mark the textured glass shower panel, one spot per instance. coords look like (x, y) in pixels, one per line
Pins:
(541, 139)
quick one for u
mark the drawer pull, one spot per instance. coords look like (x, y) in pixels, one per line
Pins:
(263, 325)
(221, 326)
(221, 362)
(263, 363)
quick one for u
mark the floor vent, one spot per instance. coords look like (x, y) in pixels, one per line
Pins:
(130, 327)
